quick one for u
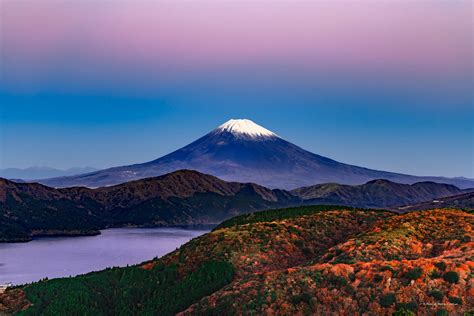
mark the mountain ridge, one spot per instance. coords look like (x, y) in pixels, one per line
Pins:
(463, 201)
(38, 172)
(260, 157)
(375, 193)
(180, 198)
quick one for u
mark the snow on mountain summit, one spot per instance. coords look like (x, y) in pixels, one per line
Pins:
(242, 151)
(245, 127)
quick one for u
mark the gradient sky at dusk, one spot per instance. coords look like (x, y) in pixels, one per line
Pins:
(382, 84)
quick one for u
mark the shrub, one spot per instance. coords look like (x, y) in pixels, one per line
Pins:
(409, 307)
(403, 312)
(441, 265)
(337, 281)
(455, 300)
(344, 258)
(387, 300)
(441, 312)
(387, 268)
(350, 289)
(378, 278)
(299, 243)
(303, 297)
(437, 295)
(414, 273)
(352, 277)
(451, 277)
(317, 277)
(435, 274)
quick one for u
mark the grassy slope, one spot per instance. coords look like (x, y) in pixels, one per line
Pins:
(321, 261)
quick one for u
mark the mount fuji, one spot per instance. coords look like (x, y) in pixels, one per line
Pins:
(242, 151)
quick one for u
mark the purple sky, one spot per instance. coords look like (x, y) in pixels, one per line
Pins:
(396, 74)
(53, 45)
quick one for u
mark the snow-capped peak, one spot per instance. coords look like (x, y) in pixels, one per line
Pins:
(245, 127)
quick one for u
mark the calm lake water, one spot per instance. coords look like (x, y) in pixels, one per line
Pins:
(55, 257)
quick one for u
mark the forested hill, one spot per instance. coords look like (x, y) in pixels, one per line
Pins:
(179, 198)
(377, 193)
(321, 261)
(461, 201)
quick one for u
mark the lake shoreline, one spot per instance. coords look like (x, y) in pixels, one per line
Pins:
(78, 233)
(60, 256)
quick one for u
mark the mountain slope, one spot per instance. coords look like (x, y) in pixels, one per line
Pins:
(462, 201)
(414, 264)
(242, 151)
(33, 209)
(376, 193)
(310, 260)
(179, 198)
(41, 172)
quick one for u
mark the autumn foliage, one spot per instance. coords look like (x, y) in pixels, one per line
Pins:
(370, 263)
(329, 261)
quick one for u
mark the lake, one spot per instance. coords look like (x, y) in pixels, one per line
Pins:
(55, 257)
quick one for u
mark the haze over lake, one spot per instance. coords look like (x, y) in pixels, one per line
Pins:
(55, 257)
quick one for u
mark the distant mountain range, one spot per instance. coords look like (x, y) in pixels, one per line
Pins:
(376, 193)
(242, 151)
(462, 201)
(41, 172)
(179, 198)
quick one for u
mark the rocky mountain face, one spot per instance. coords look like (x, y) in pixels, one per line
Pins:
(242, 151)
(310, 260)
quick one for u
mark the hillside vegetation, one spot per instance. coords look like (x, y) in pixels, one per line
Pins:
(279, 214)
(180, 198)
(320, 260)
(461, 201)
(376, 193)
